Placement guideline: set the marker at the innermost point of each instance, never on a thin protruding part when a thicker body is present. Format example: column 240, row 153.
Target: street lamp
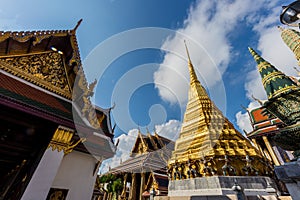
column 290, row 14
column 239, row 191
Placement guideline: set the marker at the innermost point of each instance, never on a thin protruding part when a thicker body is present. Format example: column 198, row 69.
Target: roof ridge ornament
column 77, row 25
column 280, row 28
column 258, row 100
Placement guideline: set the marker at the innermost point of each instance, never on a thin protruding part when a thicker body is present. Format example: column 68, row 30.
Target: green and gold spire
column 208, row 143
column 274, row 81
column 291, row 38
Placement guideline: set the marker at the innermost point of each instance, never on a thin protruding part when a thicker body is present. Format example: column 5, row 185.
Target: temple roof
column 149, row 153
column 18, row 92
column 159, row 181
column 25, row 42
column 38, row 70
column 260, row 118
column 275, row 82
column 263, row 123
column 141, row 163
column 21, row 95
column 148, row 143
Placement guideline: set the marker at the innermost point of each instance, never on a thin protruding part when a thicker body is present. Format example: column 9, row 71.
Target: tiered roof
column 39, row 70
column 263, row 123
column 149, row 153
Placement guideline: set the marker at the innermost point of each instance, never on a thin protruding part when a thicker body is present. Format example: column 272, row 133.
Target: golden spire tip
column 187, row 51
column 252, row 51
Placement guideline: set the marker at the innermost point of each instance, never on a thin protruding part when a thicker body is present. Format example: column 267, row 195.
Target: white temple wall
column 76, row 174
column 43, row 176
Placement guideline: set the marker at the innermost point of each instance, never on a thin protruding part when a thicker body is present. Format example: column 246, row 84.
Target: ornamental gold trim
column 272, row 76
column 283, row 90
column 62, row 140
column 263, row 65
column 17, row 66
column 27, row 35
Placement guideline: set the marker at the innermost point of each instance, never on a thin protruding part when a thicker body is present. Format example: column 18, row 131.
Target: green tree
column 114, row 184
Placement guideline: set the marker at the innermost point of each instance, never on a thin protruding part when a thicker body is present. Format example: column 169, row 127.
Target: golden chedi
column 209, row 144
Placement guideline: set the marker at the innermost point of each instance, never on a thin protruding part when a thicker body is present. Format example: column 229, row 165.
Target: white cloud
column 126, row 141
column 206, row 30
column 169, row 130
column 243, row 120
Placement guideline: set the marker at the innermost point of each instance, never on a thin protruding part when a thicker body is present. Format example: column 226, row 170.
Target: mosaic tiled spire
column 291, row 38
column 274, row 81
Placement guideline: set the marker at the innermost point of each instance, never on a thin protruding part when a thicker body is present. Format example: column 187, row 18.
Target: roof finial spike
column 246, row 109
column 259, row 101
column 77, row 25
column 193, row 76
column 280, row 28
column 148, row 132
column 297, row 70
column 187, row 51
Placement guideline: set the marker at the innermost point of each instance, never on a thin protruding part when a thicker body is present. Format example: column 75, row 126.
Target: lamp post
column 239, row 191
column 290, row 14
column 152, row 193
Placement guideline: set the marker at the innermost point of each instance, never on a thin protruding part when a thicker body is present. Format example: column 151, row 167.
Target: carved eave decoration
column 42, row 74
column 19, row 49
column 139, row 146
column 62, row 140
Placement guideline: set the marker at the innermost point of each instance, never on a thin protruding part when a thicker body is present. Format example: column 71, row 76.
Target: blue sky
column 144, row 70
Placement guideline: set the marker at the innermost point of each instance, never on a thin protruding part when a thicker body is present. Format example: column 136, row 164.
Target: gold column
column 123, row 194
column 142, row 185
column 271, row 151
column 132, row 187
column 257, row 146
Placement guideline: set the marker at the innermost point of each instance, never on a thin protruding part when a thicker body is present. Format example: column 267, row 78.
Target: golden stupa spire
column 193, row 76
column 208, row 142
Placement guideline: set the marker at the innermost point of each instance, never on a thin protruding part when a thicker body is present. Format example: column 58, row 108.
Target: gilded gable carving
column 45, row 70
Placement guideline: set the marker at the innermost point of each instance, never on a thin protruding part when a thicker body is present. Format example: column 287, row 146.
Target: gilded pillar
column 257, row 146
column 142, row 185
column 270, row 150
column 123, row 194
column 132, row 193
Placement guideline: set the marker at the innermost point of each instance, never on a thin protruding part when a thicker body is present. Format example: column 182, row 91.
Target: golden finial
column 193, row 76
column 252, row 51
column 187, row 51
column 255, row 55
